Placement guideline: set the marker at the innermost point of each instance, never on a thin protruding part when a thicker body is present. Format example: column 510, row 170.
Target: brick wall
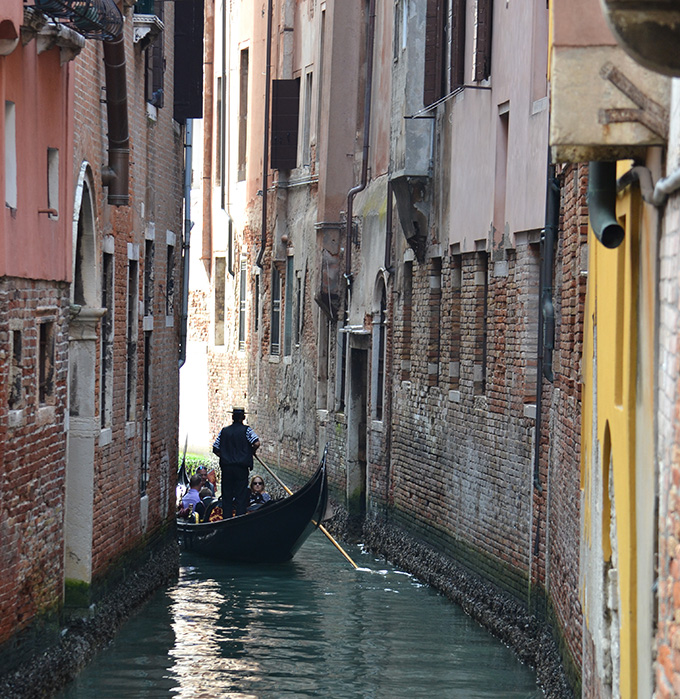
column 156, row 165
column 33, row 456
column 561, row 422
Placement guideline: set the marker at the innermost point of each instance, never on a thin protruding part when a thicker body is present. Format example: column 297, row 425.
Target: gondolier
column 235, row 445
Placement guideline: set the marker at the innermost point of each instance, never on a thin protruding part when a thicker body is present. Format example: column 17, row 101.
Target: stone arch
column 83, row 423
column 84, row 290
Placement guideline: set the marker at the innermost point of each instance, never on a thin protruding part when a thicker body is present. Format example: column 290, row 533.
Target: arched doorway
column 83, row 426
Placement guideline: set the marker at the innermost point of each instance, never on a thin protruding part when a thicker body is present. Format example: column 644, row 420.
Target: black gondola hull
column 272, row 534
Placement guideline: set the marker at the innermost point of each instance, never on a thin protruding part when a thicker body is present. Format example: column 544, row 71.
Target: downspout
column 188, row 142
column 115, row 175
column 206, row 248
column 602, row 203
column 265, row 144
column 546, row 338
column 370, row 38
column 546, row 310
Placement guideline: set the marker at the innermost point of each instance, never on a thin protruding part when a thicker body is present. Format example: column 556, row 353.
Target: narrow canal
column 314, row 627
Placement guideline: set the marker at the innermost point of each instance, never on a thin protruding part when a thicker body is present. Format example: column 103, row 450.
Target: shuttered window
column 188, row 60
column 483, row 27
column 433, row 87
column 285, row 119
column 458, row 43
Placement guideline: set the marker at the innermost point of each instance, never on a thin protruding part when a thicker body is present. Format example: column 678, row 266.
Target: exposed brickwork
column 33, row 458
column 561, row 419
column 156, row 164
column 668, row 630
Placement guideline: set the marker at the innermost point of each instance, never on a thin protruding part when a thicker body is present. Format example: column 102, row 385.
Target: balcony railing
column 93, row 19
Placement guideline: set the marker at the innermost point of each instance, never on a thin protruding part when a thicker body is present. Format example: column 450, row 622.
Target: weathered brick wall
column 561, row 420
column 667, row 672
column 156, row 165
column 461, row 459
column 32, row 458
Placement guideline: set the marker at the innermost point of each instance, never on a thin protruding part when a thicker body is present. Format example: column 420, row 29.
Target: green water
column 314, row 627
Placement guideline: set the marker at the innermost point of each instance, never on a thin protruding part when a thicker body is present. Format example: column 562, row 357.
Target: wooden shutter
column 484, row 22
column 285, row 118
column 188, row 49
column 458, row 43
column 434, row 29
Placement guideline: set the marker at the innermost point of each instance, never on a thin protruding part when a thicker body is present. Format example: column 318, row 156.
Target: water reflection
column 310, row 628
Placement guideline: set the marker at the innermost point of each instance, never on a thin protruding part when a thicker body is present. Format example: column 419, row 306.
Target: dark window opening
column 16, row 382
column 275, row 343
column 243, row 116
column 46, row 363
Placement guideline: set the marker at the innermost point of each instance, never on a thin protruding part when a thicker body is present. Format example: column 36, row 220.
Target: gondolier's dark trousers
column 235, row 488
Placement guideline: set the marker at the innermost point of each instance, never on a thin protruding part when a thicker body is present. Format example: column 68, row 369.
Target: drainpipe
column 206, row 248
column 546, row 338
column 115, row 174
column 265, row 145
column 602, row 203
column 370, row 37
column 188, row 143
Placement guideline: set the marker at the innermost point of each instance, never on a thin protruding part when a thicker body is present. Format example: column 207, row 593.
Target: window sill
column 105, row 437
column 130, row 430
column 16, row 418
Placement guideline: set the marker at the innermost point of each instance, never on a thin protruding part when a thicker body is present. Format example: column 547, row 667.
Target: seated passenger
column 258, row 495
column 206, row 498
column 202, row 471
column 192, row 496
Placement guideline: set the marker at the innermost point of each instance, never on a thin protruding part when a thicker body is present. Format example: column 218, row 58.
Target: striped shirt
column 251, row 436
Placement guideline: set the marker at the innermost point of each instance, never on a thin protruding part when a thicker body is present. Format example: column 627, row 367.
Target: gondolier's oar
column 321, row 527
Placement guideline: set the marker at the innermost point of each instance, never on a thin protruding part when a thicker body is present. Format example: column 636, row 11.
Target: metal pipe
column 370, row 38
column 116, row 175
column 188, row 150
column 265, row 145
column 602, row 203
column 208, row 73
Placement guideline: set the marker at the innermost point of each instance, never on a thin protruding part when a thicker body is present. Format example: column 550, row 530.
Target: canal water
column 314, row 627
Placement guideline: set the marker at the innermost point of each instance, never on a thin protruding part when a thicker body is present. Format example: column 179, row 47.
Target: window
column 149, row 250
column 256, row 305
column 275, row 341
column 288, row 308
column 10, row 155
column 297, row 326
column 454, row 359
column 16, row 379
column 501, row 169
column 220, row 281
column 132, row 295
column 481, row 60
column 53, row 182
column 242, row 306
column 154, row 65
column 379, row 333
column 285, row 123
column 106, row 385
column 243, row 116
column 46, row 363
column 323, row 363
column 433, row 349
column 146, row 413
column 407, row 315
column 307, row 121
column 170, row 281
column 219, row 155
column 481, row 324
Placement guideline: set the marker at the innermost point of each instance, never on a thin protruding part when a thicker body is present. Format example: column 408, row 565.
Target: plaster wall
column 36, row 245
column 513, row 170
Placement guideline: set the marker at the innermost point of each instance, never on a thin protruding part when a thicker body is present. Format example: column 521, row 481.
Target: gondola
column 272, row 534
